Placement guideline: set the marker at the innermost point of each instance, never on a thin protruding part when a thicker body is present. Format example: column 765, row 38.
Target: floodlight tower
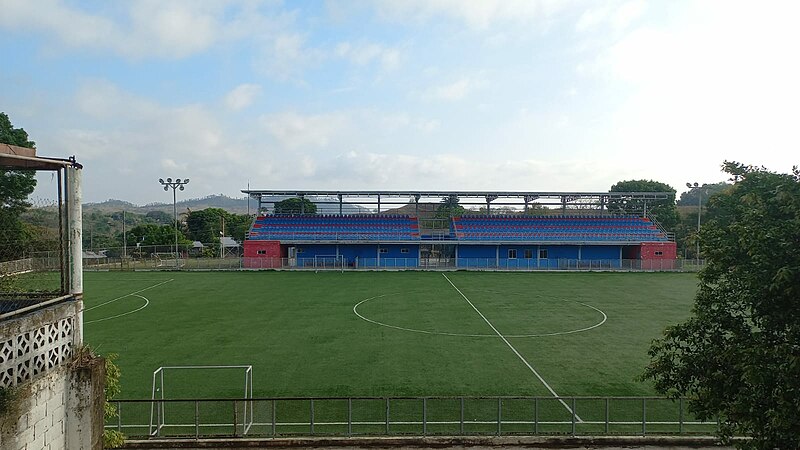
column 175, row 185
column 699, row 189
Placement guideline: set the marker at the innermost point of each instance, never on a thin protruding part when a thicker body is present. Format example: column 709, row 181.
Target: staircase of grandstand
column 631, row 229
column 351, row 227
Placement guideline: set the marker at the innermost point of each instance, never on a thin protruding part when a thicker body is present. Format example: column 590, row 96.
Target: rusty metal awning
column 14, row 157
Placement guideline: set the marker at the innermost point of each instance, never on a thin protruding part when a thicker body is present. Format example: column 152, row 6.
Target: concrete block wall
column 37, row 416
column 56, row 400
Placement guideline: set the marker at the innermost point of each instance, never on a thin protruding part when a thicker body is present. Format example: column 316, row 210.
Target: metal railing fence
column 166, row 261
column 406, row 416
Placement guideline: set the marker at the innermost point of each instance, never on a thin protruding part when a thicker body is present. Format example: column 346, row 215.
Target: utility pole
column 124, row 239
column 699, row 189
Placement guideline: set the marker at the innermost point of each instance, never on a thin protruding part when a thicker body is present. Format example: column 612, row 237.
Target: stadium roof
column 478, row 197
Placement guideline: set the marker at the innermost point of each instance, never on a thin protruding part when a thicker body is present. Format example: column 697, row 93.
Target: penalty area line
column 500, row 335
column 146, row 302
column 129, row 295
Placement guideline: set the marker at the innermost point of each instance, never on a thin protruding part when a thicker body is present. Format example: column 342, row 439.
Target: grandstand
column 568, row 230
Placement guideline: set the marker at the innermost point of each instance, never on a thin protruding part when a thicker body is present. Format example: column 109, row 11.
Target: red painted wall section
column 270, row 256
column 658, row 255
column 649, row 250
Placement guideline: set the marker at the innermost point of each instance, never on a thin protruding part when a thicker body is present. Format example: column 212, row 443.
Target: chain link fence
column 26, row 280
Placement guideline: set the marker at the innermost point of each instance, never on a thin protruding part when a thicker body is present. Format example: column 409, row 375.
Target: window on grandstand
column 659, row 253
column 512, row 253
column 403, row 250
column 383, row 250
column 528, row 253
column 262, row 252
column 543, row 253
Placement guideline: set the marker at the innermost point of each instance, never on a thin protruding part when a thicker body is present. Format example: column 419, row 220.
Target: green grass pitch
column 585, row 334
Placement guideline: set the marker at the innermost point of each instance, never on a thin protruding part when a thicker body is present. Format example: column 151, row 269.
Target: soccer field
column 385, row 333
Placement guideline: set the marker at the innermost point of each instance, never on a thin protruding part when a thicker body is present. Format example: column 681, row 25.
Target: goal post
column 335, row 262
column 168, row 260
column 162, row 391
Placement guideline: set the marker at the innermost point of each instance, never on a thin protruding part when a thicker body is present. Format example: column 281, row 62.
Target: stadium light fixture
column 177, row 184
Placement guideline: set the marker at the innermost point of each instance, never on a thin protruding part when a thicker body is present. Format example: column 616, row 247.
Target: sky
column 528, row 95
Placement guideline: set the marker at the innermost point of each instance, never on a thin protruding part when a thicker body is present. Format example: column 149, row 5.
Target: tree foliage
column 663, row 210
column 152, row 234
column 295, row 205
column 206, row 225
column 111, row 389
column 159, row 217
column 449, row 207
column 15, row 187
column 738, row 356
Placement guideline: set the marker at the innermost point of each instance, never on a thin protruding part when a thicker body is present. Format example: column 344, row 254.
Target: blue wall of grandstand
column 480, row 241
column 358, row 255
column 533, row 256
column 601, row 252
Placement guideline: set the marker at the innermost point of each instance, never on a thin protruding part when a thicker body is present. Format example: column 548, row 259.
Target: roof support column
column 528, row 199
column 340, row 204
column 489, row 200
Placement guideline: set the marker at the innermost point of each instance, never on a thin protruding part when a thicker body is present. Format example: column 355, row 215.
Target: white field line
column 553, row 392
column 128, row 295
column 146, row 302
column 444, row 333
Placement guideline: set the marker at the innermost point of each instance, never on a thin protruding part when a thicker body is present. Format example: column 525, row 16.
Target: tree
column 152, row 234
column 295, row 205
column 738, row 356
column 449, row 207
column 15, row 187
column 205, row 225
column 159, row 217
column 663, row 210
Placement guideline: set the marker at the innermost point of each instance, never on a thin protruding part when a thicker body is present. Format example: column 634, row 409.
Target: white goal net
column 169, row 259
column 177, row 389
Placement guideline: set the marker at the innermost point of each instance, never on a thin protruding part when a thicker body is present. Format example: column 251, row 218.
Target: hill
column 232, row 205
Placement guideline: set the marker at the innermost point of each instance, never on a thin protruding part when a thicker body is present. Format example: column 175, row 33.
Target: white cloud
column 147, row 28
column 428, row 126
column 453, row 91
column 618, row 16
column 293, row 130
column 363, row 54
column 177, row 29
column 124, row 131
column 69, row 26
column 363, row 169
column 242, row 96
column 287, row 56
column 702, row 90
column 478, row 15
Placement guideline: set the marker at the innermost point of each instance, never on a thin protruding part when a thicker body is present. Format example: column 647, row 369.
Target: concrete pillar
column 75, row 230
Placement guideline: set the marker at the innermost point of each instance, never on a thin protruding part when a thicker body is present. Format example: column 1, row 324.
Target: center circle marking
column 444, row 333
